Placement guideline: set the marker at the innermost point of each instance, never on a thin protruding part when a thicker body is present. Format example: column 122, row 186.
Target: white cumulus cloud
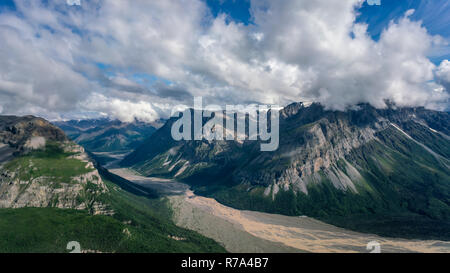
column 124, row 110
column 443, row 72
column 134, row 59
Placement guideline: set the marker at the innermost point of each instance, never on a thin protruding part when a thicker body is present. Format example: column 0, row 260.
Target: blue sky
column 238, row 10
column 434, row 14
column 7, row 4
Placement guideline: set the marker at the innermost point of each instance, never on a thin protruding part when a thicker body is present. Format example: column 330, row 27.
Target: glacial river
column 249, row 231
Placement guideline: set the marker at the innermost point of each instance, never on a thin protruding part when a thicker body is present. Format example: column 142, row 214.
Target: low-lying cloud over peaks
column 135, row 59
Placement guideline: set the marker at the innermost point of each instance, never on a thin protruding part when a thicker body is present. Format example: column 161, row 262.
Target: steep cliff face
column 318, row 153
column 328, row 162
column 317, row 145
column 41, row 168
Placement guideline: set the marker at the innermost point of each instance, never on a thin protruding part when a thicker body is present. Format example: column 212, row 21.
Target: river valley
column 256, row 232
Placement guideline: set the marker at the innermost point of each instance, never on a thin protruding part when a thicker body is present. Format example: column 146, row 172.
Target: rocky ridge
column 28, row 179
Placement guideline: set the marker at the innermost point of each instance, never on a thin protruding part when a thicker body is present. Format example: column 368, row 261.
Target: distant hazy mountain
column 105, row 135
column 377, row 170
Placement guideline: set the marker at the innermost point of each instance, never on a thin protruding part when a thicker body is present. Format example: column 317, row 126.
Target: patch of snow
column 180, row 171
column 167, row 162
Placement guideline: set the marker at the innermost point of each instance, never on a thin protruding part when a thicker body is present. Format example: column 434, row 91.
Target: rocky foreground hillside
column 330, row 164
column 29, row 132
column 40, row 167
column 52, row 194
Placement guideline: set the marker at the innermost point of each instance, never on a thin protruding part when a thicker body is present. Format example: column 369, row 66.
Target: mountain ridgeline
column 105, row 135
column 385, row 171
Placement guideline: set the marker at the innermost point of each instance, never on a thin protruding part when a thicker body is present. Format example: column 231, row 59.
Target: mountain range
column 107, row 135
column 376, row 170
column 382, row 171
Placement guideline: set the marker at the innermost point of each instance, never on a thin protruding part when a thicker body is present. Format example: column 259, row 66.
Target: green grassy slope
column 43, row 230
column 51, row 162
column 139, row 225
column 141, row 222
column 153, row 217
